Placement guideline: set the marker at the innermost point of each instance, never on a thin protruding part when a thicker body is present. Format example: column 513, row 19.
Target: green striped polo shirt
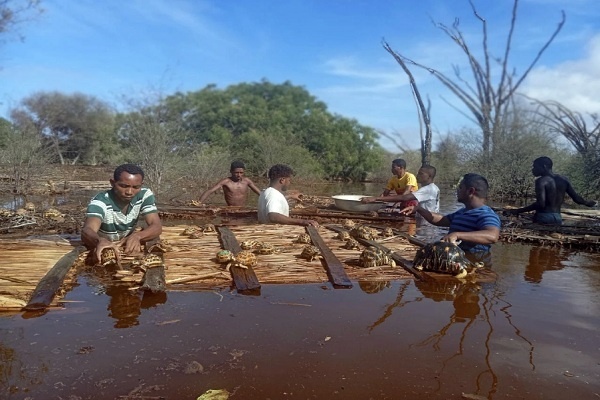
column 116, row 225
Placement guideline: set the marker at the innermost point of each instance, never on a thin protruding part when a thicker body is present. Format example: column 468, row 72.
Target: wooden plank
column 420, row 275
column 46, row 289
column 333, row 266
column 245, row 280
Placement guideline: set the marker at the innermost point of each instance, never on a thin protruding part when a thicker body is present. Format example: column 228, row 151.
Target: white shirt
column 271, row 200
column 428, row 197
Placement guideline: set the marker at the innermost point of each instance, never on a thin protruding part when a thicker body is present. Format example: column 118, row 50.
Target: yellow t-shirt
column 399, row 184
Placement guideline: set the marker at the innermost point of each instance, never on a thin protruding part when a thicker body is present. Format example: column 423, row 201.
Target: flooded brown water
column 533, row 334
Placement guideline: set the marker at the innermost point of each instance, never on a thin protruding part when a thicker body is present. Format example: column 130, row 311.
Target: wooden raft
column 23, row 266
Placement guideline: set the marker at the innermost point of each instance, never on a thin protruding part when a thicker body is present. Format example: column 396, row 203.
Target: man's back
column 551, row 191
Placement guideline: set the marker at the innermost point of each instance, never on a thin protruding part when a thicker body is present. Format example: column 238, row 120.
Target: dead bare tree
column 486, row 97
column 423, row 112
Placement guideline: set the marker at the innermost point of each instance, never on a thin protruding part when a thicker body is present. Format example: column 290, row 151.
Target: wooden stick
column 195, row 278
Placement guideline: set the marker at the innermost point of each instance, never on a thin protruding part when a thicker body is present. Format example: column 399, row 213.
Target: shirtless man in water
column 550, row 189
column 235, row 187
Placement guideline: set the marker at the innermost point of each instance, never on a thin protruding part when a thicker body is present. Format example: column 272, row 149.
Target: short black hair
column 544, row 162
column 399, row 162
column 237, row 164
column 278, row 171
column 129, row 168
column 478, row 182
column 430, row 169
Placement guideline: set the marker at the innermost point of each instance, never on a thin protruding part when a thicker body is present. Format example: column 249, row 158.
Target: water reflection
column 542, row 259
column 125, row 305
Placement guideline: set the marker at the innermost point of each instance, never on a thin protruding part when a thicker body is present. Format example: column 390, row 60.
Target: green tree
column 79, row 128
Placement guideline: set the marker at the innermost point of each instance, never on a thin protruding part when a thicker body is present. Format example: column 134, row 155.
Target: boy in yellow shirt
column 403, row 182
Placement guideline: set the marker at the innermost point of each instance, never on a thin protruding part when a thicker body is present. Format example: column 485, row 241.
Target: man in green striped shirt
column 112, row 216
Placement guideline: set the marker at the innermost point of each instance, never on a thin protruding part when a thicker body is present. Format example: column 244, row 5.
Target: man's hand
column 310, row 222
column 106, row 244
column 408, row 210
column 132, row 243
column 451, row 237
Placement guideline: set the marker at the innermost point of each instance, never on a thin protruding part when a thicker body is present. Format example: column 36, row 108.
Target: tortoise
column 348, row 224
column 29, row 206
column 53, row 213
column 351, row 244
column 245, row 259
column 197, row 234
column 207, row 228
column 363, row 232
column 189, row 230
column 444, row 257
column 249, row 244
column 387, row 232
column 265, row 248
column 303, row 238
column 108, row 257
column 151, row 261
column 375, row 257
column 161, row 246
column 5, row 212
column 343, row 235
column 310, row 252
column 225, row 256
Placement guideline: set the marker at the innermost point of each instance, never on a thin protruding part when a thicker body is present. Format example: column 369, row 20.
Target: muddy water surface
column 533, row 334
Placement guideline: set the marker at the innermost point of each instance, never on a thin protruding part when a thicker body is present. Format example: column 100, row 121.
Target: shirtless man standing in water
column 235, row 187
column 550, row 189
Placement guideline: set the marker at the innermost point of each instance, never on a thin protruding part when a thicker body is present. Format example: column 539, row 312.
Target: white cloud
column 574, row 83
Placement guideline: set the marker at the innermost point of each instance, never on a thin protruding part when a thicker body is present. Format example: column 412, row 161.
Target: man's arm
column 133, row 242
column 392, row 198
column 210, row 191
column 488, row 235
column 577, row 198
column 540, row 199
column 252, row 186
column 277, row 218
column 433, row 218
column 95, row 243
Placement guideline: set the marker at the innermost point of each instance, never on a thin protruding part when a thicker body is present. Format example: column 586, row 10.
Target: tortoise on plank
column 249, row 244
column 189, row 230
column 375, row 257
column 387, row 232
column 310, row 252
column 208, row 228
column 444, row 257
column 245, row 259
column 162, row 246
column 348, row 224
column 343, row 235
column 225, row 256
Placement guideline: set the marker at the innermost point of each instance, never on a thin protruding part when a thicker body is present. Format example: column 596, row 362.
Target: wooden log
column 46, row 289
column 404, row 263
column 245, row 279
column 334, row 267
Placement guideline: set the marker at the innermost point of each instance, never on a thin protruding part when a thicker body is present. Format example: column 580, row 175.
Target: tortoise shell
column 197, row 234
column 387, row 232
column 189, row 230
column 352, row 244
column 265, row 248
column 348, row 224
column 208, row 228
column 444, row 257
column 375, row 257
column 151, row 261
column 224, row 256
column 363, row 232
column 310, row 252
column 245, row 258
column 343, row 235
column 249, row 244
column 52, row 213
column 304, row 238
column 108, row 257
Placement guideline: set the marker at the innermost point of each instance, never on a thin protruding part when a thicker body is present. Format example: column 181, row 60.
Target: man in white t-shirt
column 428, row 194
column 272, row 205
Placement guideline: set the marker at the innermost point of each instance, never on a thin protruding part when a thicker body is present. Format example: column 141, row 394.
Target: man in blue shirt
column 476, row 225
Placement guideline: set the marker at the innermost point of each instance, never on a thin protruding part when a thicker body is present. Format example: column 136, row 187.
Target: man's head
column 426, row 174
column 237, row 170
column 280, row 176
column 472, row 185
column 399, row 167
column 541, row 166
column 127, row 182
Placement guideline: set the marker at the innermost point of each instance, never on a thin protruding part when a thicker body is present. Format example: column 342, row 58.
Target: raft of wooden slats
column 196, row 258
column 23, row 264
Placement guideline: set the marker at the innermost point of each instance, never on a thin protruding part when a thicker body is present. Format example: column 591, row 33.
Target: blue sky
column 110, row 49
